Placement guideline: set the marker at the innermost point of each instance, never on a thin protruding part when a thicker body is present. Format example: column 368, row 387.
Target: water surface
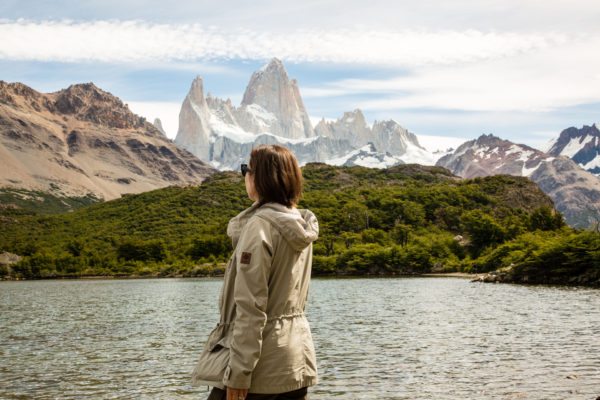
column 388, row 338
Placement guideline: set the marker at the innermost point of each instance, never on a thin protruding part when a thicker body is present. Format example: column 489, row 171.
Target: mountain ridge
column 576, row 192
column 272, row 111
column 82, row 141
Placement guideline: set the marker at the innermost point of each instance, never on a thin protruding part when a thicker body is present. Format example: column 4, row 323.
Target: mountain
column 575, row 192
column 490, row 155
column 158, row 125
column 272, row 112
column 366, row 156
column 580, row 145
column 351, row 126
column 83, row 141
column 274, row 102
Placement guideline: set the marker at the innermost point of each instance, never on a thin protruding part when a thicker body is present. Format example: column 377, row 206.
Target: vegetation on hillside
column 403, row 220
column 17, row 202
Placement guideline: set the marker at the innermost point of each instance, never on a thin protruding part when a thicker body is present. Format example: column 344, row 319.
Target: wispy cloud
column 138, row 41
column 563, row 75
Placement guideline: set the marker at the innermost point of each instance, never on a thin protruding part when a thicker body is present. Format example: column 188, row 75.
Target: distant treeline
column 408, row 219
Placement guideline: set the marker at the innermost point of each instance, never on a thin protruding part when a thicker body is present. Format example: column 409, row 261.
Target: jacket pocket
column 219, row 337
column 213, row 360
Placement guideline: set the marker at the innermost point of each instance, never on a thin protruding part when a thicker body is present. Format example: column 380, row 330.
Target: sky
column 448, row 71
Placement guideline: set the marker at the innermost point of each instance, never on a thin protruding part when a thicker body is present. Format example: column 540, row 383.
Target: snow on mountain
column 490, row 155
column 581, row 145
column 366, row 156
column 272, row 112
column 229, row 130
column 575, row 192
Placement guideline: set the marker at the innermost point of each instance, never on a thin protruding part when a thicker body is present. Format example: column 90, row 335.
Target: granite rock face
column 351, row 126
column 274, row 104
column 194, row 117
column 272, row 112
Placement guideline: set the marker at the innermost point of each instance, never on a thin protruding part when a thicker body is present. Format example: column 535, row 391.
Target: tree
column 545, row 219
column 355, row 216
column 401, row 233
column 75, row 248
column 483, row 229
column 136, row 250
column 206, row 246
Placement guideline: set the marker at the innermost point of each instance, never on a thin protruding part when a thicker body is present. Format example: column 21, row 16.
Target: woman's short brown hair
column 277, row 176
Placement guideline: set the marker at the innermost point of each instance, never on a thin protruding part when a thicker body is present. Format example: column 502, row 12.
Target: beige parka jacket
column 263, row 300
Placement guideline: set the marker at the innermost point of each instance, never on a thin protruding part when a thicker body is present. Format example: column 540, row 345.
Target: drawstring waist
column 286, row 316
column 271, row 319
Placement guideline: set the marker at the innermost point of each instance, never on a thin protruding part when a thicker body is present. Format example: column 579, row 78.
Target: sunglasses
column 244, row 168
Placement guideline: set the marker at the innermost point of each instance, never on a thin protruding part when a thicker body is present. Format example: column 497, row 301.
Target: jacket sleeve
column 254, row 253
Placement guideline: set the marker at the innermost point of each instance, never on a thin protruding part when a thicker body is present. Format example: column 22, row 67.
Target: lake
column 379, row 338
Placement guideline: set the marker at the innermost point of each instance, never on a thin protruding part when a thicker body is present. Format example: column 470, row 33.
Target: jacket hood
column 299, row 227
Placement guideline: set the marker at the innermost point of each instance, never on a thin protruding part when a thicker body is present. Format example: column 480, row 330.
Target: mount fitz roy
column 83, row 141
column 272, row 112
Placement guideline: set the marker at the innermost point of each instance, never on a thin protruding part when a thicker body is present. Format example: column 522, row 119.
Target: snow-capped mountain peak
column 272, row 111
column 574, row 191
column 581, row 145
column 490, row 155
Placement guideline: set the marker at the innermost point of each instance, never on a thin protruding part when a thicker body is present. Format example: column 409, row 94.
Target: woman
column 263, row 329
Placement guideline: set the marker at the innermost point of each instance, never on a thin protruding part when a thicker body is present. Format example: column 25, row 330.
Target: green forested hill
column 406, row 219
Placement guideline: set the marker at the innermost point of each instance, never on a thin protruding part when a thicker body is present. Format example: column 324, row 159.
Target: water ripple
column 400, row 338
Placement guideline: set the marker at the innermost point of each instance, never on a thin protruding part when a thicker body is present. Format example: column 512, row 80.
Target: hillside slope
column 405, row 219
column 84, row 142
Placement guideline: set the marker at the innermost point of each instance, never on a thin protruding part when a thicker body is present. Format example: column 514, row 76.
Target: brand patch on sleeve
column 246, row 257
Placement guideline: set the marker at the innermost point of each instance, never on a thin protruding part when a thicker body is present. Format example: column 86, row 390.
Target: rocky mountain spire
column 194, row 118
column 392, row 137
column 272, row 111
column 158, row 124
column 352, row 126
column 270, row 91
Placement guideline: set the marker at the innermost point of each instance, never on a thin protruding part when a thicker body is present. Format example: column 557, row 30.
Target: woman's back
column 263, row 344
column 271, row 343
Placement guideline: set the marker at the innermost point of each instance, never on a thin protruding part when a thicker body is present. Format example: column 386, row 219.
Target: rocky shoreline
column 491, row 277
column 506, row 277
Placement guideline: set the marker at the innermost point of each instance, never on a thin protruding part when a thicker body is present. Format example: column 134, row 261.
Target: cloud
column 436, row 142
column 168, row 112
column 284, row 16
column 551, row 78
column 138, row 41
